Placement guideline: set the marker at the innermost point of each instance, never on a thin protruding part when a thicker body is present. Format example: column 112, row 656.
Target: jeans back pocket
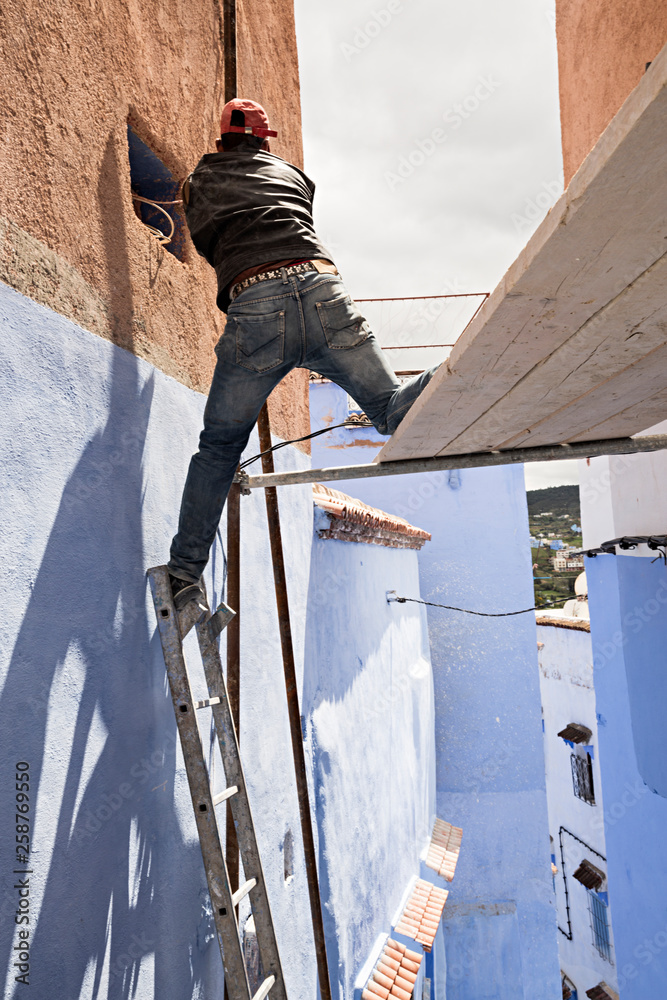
column 342, row 323
column 260, row 340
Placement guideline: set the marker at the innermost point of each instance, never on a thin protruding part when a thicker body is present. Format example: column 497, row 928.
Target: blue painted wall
column 500, row 927
column 368, row 711
column 94, row 446
column 628, row 600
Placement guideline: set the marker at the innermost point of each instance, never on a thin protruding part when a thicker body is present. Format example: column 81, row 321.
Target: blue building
column 628, row 596
column 499, row 920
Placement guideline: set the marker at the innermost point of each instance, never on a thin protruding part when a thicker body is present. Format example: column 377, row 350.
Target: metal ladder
column 173, row 626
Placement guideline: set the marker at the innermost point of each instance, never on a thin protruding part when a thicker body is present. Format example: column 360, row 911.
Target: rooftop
column 352, row 520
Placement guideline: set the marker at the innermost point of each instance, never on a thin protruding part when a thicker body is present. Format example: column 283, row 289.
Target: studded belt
column 302, row 268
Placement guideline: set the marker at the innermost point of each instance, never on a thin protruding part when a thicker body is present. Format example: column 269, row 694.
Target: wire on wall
column 162, row 237
column 467, row 611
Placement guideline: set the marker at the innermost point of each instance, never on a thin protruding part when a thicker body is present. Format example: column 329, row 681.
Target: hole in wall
column 150, row 178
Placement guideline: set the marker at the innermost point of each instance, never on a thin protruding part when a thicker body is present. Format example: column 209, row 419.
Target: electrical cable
column 306, row 437
column 162, row 237
column 466, row 611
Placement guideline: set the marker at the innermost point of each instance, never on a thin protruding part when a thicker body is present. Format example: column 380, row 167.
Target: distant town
column 554, row 518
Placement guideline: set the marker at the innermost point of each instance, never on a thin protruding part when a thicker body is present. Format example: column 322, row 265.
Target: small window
column 597, row 905
column 151, row 179
column 582, row 777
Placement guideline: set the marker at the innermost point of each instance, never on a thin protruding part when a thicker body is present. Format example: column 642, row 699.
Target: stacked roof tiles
column 602, row 992
column 444, row 849
column 395, row 973
column 351, row 520
column 421, row 916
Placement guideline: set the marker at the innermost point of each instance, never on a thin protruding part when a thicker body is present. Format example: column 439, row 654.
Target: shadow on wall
column 86, row 693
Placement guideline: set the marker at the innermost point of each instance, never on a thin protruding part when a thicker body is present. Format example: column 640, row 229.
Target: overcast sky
column 432, row 133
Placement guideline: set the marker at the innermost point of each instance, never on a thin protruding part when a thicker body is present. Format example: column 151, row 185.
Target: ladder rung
column 221, row 618
column 243, row 891
column 264, row 988
column 193, row 612
column 227, row 794
column 207, row 702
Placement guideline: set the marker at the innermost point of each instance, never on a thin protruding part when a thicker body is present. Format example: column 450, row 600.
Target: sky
column 432, row 132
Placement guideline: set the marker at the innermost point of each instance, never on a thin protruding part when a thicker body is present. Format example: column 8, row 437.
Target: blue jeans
column 306, row 321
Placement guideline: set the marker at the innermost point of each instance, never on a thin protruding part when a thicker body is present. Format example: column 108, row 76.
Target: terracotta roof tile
column 394, row 974
column 421, row 915
column 580, row 624
column 575, row 732
column 444, row 849
column 589, row 875
column 351, row 520
column 602, row 992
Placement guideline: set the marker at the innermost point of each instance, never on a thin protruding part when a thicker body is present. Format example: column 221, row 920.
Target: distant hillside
column 555, row 500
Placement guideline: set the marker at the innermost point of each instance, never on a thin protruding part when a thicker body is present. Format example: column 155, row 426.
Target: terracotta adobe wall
column 73, row 76
column 603, row 48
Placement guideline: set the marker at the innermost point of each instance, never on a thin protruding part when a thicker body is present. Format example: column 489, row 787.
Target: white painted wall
column 566, row 684
column 624, row 495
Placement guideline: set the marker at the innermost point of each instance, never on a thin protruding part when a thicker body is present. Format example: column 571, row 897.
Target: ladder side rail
column 240, row 806
column 236, row 978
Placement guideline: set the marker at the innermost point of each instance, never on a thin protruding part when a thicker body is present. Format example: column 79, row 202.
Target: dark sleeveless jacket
column 248, row 207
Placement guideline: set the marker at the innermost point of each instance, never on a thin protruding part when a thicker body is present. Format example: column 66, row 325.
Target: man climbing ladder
column 249, row 213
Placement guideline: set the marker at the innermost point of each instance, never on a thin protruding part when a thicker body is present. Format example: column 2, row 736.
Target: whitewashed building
column 574, row 797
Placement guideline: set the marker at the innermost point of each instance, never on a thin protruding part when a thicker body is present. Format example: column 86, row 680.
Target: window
column 151, row 179
column 582, row 777
column 597, row 905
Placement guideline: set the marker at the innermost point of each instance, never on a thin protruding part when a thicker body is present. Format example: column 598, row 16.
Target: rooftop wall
column 73, row 78
column 603, row 48
column 369, row 729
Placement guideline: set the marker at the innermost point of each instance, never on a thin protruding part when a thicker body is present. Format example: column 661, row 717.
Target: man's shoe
column 183, row 591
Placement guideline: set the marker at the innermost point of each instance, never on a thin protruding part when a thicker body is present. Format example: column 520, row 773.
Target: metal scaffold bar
column 293, row 711
column 476, row 460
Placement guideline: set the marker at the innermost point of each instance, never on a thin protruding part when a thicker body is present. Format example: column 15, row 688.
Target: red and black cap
column 246, row 117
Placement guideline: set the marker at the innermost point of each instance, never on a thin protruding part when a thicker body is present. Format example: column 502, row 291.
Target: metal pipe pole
column 233, row 509
column 294, row 712
column 233, row 634
column 229, row 35
column 476, row 460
